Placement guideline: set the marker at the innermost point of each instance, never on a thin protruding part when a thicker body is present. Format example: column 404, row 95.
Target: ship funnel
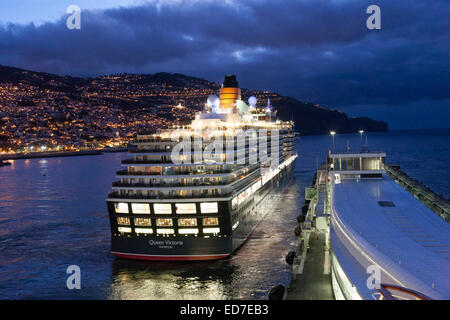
column 229, row 92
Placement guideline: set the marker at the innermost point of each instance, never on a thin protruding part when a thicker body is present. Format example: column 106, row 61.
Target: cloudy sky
column 315, row 50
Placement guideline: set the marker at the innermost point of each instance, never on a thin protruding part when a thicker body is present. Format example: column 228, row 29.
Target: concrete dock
column 311, row 276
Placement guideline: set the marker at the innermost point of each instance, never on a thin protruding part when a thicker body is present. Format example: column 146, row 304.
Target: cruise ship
column 196, row 192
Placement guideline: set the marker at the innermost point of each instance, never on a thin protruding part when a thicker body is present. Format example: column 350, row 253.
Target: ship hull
column 236, row 227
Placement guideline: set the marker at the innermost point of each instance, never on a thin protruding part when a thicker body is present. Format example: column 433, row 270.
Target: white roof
column 408, row 240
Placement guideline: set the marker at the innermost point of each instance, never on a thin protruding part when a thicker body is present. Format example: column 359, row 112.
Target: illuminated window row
column 167, row 222
column 244, row 195
column 166, row 208
column 166, row 231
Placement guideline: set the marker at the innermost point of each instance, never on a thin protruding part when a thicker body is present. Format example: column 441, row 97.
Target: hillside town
column 41, row 112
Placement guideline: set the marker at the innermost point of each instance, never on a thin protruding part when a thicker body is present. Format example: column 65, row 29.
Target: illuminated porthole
column 162, row 208
column 121, row 207
column 211, row 230
column 165, row 231
column 185, row 208
column 188, row 231
column 210, row 221
column 143, row 230
column 140, row 208
column 142, row 222
column 164, row 222
column 124, row 229
column 209, row 207
column 188, row 222
column 123, row 221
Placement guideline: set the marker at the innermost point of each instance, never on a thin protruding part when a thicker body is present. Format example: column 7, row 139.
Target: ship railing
column 114, row 195
column 355, row 151
column 152, row 140
column 193, row 184
column 166, row 185
column 127, row 173
column 132, row 161
column 237, row 187
column 194, row 151
column 149, row 151
column 176, row 173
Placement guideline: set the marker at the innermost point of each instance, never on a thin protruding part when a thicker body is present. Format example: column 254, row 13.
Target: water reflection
column 166, row 280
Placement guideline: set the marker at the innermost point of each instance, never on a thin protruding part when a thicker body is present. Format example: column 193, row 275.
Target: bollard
column 305, row 209
column 300, row 218
column 277, row 292
column 298, row 231
column 290, row 257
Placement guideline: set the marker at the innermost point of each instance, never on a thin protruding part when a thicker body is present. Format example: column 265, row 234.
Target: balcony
column 240, row 183
column 176, row 173
column 158, row 150
column 169, row 185
column 127, row 173
column 116, row 195
column 132, row 161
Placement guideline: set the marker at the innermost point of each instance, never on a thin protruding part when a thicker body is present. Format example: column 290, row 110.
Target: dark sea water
column 53, row 214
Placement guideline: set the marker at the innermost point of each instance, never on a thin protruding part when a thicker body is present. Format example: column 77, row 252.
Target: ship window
column 256, row 186
column 234, row 203
column 162, row 208
column 210, row 221
column 183, row 208
column 165, row 231
column 188, row 231
column 243, row 196
column 211, row 230
column 123, row 221
column 164, row 222
column 209, row 207
column 143, row 230
column 142, row 208
column 191, row 222
column 142, row 222
column 124, row 229
column 121, row 207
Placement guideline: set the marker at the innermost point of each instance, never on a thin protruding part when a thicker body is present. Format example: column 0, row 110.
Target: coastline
column 54, row 154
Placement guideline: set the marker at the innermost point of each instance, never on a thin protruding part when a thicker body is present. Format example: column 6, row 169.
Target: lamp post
column 333, row 133
column 361, row 133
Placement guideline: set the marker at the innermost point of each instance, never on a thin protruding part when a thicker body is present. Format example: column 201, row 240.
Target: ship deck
column 391, row 228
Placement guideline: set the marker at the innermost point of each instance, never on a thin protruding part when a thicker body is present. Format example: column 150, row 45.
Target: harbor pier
column 311, row 276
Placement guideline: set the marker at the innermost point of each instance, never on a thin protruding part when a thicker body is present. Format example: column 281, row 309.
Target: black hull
column 235, row 225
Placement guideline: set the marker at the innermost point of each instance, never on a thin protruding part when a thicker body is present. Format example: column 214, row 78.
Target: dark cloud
column 315, row 50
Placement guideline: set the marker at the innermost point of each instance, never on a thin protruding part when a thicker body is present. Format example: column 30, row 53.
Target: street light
column 332, row 136
column 361, row 133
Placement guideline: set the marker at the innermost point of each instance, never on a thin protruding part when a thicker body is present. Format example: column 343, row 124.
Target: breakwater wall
column 51, row 154
column 435, row 202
